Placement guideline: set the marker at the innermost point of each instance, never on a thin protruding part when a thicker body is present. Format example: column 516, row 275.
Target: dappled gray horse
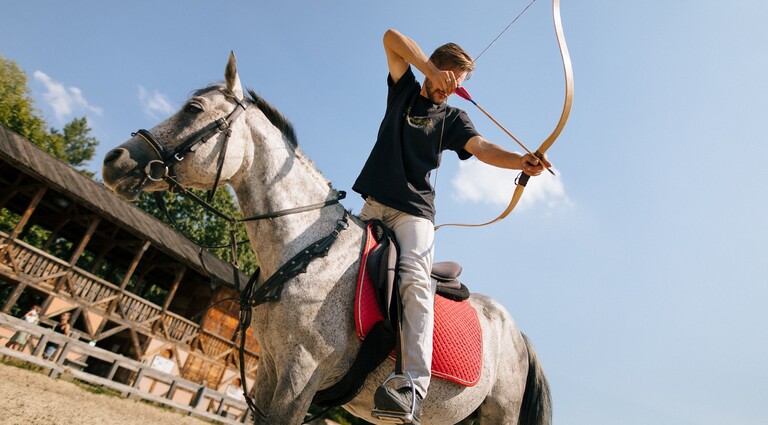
column 308, row 338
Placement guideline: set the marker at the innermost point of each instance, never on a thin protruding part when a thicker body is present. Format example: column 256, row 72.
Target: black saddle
column 382, row 268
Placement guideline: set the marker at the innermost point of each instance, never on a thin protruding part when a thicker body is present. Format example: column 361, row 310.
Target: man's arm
column 402, row 51
column 497, row 156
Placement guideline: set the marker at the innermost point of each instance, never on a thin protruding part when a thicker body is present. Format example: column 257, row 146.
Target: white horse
column 307, row 338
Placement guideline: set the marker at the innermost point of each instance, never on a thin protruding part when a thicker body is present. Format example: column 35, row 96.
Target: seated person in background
column 62, row 327
column 19, row 340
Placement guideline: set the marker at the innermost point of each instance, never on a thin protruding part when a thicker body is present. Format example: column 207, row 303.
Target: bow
column 522, row 179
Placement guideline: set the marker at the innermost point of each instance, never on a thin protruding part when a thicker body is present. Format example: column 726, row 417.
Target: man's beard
column 432, row 94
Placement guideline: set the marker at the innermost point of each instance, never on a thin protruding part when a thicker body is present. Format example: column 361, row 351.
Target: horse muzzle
column 128, row 176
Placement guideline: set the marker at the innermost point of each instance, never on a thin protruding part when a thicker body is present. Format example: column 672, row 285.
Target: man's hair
column 452, row 56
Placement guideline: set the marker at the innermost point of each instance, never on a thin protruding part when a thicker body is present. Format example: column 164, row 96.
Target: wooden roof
column 29, row 158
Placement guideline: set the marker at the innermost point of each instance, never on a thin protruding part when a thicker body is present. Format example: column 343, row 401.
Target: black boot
column 397, row 405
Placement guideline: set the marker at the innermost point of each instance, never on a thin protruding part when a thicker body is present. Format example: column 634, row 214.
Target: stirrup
column 392, row 416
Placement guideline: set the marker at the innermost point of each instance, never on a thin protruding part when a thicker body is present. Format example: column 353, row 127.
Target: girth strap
column 273, row 287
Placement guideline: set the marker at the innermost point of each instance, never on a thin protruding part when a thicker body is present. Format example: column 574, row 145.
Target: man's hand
column 533, row 166
column 445, row 81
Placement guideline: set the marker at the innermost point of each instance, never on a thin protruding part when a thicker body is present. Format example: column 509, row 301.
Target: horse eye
column 193, row 108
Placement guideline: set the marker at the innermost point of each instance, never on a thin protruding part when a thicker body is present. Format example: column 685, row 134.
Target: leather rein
column 250, row 296
column 161, row 170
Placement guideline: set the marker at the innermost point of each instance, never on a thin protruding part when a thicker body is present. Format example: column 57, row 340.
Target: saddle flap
column 382, row 266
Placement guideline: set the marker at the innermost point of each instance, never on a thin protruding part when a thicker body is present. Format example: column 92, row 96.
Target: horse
column 223, row 135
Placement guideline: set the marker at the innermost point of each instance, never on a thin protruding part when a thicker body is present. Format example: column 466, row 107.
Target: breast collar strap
column 272, row 288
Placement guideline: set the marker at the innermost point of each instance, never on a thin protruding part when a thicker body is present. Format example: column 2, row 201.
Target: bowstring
column 504, row 30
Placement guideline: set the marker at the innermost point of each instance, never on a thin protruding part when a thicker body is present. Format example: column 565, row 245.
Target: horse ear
column 231, row 78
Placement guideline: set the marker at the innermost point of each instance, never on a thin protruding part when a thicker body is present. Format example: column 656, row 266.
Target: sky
column 639, row 272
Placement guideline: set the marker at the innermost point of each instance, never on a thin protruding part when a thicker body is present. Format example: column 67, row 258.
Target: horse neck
column 277, row 178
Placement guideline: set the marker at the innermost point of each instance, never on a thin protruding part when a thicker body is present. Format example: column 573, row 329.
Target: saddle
column 382, row 269
column 457, row 338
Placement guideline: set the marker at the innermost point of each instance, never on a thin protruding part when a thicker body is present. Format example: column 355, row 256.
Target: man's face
column 437, row 96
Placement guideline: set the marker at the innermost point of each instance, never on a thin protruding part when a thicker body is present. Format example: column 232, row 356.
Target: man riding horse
column 417, row 127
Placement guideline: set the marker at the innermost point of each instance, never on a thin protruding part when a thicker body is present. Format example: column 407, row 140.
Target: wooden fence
column 170, row 390
column 32, row 265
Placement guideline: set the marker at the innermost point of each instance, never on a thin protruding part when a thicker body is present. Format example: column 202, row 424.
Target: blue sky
column 639, row 272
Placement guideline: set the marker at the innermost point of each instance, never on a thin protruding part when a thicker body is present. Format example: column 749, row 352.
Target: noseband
column 250, row 296
column 160, row 169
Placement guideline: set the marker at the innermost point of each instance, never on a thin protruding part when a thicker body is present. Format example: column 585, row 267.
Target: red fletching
column 464, row 94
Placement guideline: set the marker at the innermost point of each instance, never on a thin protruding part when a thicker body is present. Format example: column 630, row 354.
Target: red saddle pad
column 457, row 339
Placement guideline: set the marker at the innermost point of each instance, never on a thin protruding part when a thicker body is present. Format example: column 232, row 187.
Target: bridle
column 161, row 169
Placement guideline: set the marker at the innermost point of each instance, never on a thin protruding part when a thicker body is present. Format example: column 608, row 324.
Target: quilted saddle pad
column 457, row 339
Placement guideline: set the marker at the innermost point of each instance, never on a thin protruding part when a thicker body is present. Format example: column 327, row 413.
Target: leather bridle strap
column 156, row 170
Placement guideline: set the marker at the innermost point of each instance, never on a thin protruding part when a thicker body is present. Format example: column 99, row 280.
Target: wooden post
column 124, row 283
column 17, row 291
column 177, row 280
column 139, row 376
column 199, row 395
column 113, row 370
column 84, row 241
column 76, row 254
column 171, row 390
column 134, row 264
column 24, row 219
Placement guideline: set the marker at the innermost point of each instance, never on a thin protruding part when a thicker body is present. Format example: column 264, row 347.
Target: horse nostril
column 114, row 155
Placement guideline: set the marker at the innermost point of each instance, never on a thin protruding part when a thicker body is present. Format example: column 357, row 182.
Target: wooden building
column 133, row 285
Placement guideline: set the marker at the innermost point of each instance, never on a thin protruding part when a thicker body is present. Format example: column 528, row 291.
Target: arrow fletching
column 464, row 94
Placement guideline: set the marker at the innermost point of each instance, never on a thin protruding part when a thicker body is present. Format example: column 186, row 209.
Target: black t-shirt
column 408, row 148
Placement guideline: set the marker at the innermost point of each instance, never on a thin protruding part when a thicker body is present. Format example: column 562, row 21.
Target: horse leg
column 294, row 387
column 264, row 388
column 517, row 401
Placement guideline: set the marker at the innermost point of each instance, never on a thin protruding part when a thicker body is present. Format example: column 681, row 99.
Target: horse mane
column 273, row 115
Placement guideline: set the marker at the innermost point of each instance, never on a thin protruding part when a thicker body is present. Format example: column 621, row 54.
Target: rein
column 160, row 169
column 250, row 296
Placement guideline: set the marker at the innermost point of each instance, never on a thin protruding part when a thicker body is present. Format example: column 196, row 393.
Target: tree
column 74, row 145
column 17, row 110
column 204, row 227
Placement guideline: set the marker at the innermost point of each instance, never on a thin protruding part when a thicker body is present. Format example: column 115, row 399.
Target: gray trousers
column 416, row 236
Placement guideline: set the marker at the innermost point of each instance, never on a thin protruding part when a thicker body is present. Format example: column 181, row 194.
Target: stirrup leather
column 393, row 416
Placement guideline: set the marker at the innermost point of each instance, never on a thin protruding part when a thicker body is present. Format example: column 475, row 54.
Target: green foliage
column 17, row 109
column 73, row 144
column 204, row 227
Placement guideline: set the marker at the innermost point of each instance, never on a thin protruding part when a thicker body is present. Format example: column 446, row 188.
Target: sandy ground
column 28, row 397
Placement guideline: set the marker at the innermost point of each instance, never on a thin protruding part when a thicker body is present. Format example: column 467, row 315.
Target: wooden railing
column 179, row 328
column 218, row 347
column 32, row 262
column 190, row 397
column 90, row 288
column 41, row 268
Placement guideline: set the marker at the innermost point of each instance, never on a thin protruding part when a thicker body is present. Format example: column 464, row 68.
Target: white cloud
column 156, row 105
column 476, row 182
column 65, row 101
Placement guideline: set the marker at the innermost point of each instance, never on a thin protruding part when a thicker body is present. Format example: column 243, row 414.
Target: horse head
column 189, row 148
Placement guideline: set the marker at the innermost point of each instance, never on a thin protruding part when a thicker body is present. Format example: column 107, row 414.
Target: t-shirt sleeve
column 395, row 89
column 462, row 130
